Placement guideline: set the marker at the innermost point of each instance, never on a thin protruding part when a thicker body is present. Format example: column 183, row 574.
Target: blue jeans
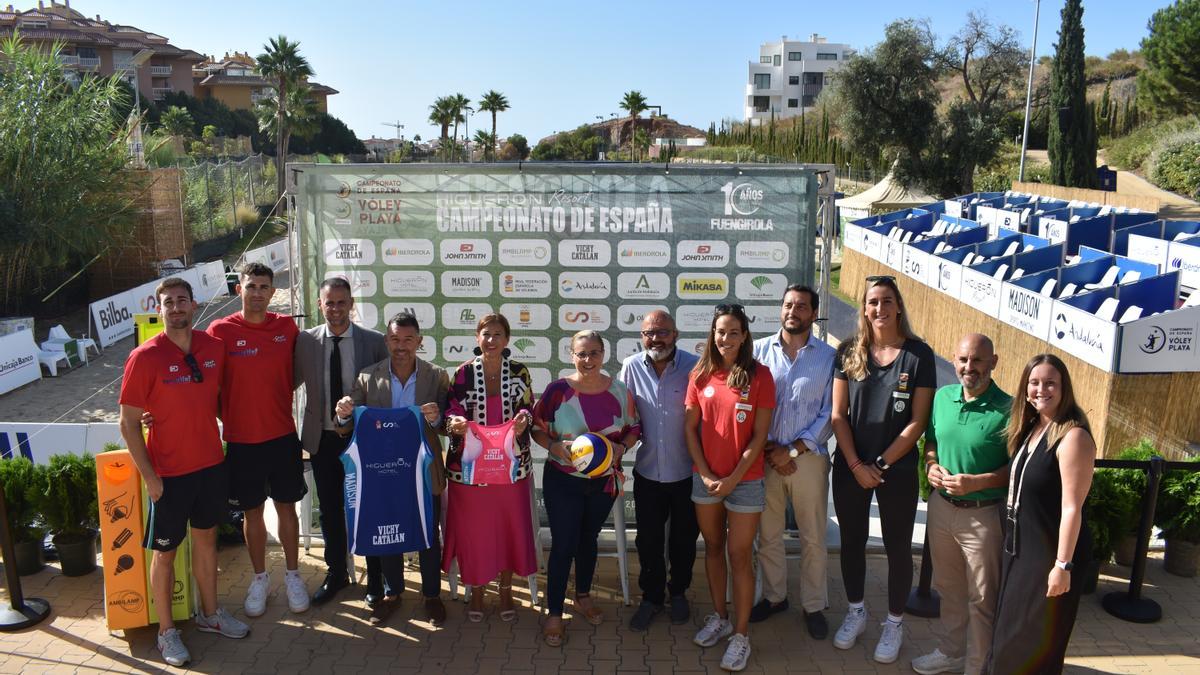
column 577, row 509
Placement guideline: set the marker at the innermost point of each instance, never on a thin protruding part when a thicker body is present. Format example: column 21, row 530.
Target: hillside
column 617, row 131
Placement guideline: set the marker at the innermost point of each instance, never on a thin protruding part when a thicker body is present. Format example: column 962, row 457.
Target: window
column 795, row 56
column 793, row 79
column 761, row 103
column 809, row 100
column 34, row 23
column 85, row 52
column 827, row 56
column 762, row 80
column 776, row 57
column 813, row 78
column 765, row 59
column 793, row 102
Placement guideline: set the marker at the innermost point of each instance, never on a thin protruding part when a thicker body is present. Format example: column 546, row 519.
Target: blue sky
column 562, row 64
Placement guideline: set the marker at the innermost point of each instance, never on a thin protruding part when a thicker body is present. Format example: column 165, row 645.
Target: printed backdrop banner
column 555, row 248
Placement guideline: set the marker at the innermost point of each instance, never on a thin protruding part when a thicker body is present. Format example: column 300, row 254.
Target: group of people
column 724, row 443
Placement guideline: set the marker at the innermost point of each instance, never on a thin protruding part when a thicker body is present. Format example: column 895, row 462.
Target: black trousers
column 897, row 499
column 430, row 559
column 577, row 509
column 330, row 477
column 655, row 504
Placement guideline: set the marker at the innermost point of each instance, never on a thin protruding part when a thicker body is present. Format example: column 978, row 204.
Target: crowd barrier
column 112, row 317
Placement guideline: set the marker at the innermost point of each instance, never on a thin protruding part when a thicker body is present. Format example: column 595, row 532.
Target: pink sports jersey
column 488, row 457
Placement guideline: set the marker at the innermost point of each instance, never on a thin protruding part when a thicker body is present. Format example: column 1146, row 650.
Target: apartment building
column 96, row 46
column 234, row 81
column 789, row 75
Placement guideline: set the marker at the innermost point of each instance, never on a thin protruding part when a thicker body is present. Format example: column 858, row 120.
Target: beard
column 661, row 354
column 797, row 328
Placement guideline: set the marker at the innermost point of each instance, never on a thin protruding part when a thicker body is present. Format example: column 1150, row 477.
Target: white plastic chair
column 969, row 259
column 1048, row 287
column 1131, row 275
column 1000, row 272
column 60, row 333
column 1067, row 291
column 1182, row 235
column 1131, row 313
column 50, row 360
column 1107, row 280
column 1028, row 247
column 1193, row 300
column 1012, row 248
column 941, row 246
column 1108, row 309
column 1017, row 274
column 907, row 236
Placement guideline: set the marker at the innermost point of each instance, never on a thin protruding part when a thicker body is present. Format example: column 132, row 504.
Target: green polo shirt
column 970, row 434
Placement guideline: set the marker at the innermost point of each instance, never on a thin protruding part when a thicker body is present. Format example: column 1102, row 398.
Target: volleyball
column 592, row 455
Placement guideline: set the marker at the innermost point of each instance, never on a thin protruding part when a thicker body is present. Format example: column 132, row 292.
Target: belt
column 972, row 503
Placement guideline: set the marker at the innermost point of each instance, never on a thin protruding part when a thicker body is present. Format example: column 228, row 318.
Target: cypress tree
column 1071, row 143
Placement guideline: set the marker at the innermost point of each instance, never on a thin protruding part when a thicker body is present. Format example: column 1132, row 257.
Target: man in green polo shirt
column 967, row 463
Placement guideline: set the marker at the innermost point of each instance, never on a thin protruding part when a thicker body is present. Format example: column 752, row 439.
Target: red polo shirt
column 256, row 401
column 184, row 437
column 727, row 418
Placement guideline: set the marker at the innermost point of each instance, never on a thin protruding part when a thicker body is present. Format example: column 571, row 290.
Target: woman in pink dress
column 489, row 525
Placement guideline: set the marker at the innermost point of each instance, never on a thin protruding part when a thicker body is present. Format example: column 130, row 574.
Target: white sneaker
column 297, row 593
column 853, row 625
column 222, row 622
column 715, row 628
column 256, row 595
column 736, row 654
column 937, row 662
column 170, row 644
column 888, row 649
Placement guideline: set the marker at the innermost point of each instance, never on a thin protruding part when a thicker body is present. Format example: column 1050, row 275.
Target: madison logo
column 1021, row 303
column 743, row 199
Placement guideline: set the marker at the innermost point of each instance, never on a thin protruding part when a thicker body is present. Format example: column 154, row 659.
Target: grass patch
column 1132, row 152
column 271, row 230
column 835, row 284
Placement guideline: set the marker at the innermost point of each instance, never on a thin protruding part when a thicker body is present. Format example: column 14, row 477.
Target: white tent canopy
column 886, row 195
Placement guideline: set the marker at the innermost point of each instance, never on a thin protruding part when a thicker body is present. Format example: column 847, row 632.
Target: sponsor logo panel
column 466, row 284
column 362, row 282
column 524, row 252
column 408, row 284
column 463, row 315
column 643, row 253
column 643, row 285
column 428, row 349
column 765, row 254
column 753, row 286
column 531, row 349
column 693, row 318
column 539, row 378
column 407, row 251
column 692, row 345
column 465, row 251
column 519, row 284
column 712, row 286
column 702, row 253
column 627, row 347
column 349, row 252
column 584, row 285
column 584, row 253
column 367, row 314
column 764, row 319
column 458, row 348
column 526, row 316
column 425, row 312
column 584, row 317
column 629, row 317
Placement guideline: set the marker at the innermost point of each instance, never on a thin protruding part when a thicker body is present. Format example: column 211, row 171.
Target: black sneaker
column 764, row 609
column 643, row 616
column 817, row 627
column 681, row 611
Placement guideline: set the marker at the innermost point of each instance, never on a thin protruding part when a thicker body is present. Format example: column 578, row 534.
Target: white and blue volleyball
column 592, row 455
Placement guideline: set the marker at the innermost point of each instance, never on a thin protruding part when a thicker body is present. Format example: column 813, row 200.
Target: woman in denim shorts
column 730, row 399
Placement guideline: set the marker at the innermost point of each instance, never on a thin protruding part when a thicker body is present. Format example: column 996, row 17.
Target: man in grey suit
column 328, row 357
column 398, row 381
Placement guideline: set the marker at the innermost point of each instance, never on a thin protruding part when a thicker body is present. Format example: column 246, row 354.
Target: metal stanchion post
column 923, row 601
column 19, row 612
column 1130, row 605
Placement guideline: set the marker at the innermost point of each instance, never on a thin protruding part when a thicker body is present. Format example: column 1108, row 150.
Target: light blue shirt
column 803, row 391
column 404, row 394
column 663, row 456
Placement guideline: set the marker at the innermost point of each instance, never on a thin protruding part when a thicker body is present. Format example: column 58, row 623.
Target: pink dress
column 489, row 528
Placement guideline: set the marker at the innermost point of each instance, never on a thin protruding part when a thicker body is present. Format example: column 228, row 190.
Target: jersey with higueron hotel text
column 389, row 505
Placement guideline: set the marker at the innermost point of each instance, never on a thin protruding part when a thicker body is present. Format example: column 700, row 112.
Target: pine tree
column 1071, row 143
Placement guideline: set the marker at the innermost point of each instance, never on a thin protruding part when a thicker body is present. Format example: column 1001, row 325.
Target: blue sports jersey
column 389, row 506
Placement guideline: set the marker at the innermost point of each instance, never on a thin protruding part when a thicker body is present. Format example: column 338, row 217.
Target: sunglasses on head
column 728, row 309
column 877, row 278
column 197, row 376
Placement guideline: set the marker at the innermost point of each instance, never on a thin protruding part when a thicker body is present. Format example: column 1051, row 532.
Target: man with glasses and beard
column 797, row 459
column 662, row 475
column 176, row 377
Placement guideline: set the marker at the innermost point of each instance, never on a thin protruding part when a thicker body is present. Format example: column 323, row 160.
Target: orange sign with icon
column 126, row 603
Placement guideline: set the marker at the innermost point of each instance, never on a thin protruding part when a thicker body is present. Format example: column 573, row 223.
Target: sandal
column 590, row 612
column 475, row 615
column 554, row 633
column 510, row 614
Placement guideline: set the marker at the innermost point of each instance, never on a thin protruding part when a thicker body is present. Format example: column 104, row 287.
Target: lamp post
column 1037, row 7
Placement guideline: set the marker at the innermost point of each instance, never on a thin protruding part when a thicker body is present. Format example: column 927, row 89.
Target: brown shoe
column 383, row 609
column 435, row 611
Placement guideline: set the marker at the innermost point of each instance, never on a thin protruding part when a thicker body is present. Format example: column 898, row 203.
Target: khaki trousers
column 965, row 547
column 808, row 489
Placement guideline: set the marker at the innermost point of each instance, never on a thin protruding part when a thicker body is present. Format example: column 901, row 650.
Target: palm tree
column 300, row 118
column 494, row 102
column 442, row 114
column 461, row 105
column 283, row 66
column 177, row 121
column 635, row 104
column 486, row 141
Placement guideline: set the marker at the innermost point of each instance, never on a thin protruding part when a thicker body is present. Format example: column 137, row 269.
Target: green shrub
column 1175, row 163
column 68, row 501
column 1112, row 509
column 1131, row 152
column 1178, row 512
column 21, row 479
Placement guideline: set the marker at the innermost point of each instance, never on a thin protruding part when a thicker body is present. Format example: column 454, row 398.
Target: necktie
column 335, row 376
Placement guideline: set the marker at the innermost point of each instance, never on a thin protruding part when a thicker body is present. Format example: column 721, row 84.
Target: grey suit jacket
column 310, row 367
column 373, row 388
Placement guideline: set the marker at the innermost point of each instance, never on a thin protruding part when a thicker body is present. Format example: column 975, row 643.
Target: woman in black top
column 882, row 392
column 1046, row 540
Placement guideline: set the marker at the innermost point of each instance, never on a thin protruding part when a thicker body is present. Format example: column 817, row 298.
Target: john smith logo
column 1154, row 341
column 466, row 248
column 743, row 199
column 703, row 248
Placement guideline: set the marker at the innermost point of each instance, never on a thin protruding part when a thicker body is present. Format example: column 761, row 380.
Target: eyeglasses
column 728, row 309
column 876, row 278
column 197, row 376
column 594, row 354
column 657, row 333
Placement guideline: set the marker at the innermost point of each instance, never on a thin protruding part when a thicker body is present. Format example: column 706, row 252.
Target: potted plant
column 1178, row 515
column 1103, row 512
column 1132, row 487
column 21, row 479
column 68, row 504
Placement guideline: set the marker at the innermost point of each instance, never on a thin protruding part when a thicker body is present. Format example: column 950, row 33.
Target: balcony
column 256, row 96
column 89, row 62
column 68, row 59
column 161, row 92
column 773, row 90
column 161, row 71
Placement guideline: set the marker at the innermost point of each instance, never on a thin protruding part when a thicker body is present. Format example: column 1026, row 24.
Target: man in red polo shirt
column 263, row 453
column 176, row 377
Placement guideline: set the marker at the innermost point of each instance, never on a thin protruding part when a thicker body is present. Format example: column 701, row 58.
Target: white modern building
column 789, row 75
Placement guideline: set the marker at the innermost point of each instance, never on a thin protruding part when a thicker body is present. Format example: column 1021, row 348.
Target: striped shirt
column 803, row 391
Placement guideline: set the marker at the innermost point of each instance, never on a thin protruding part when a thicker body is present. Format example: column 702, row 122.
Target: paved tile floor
column 76, row 640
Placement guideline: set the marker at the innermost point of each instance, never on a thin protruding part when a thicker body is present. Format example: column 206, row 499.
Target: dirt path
column 1171, row 205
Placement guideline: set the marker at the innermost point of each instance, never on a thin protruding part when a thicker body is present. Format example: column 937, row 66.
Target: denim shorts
column 748, row 497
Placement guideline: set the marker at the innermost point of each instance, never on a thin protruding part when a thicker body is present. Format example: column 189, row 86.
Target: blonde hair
column 855, row 351
column 1068, row 416
column 587, row 335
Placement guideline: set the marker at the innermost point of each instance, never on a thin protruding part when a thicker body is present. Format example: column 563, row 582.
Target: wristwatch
column 881, row 464
column 793, row 452
column 1067, row 566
